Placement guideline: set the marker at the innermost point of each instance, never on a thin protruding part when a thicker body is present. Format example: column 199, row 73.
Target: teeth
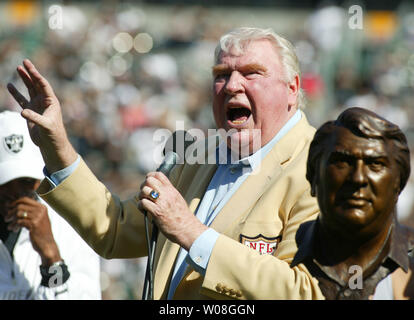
column 238, row 121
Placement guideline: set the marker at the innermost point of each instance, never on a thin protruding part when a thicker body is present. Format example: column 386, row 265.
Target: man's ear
column 293, row 91
column 313, row 188
column 314, row 182
column 398, row 186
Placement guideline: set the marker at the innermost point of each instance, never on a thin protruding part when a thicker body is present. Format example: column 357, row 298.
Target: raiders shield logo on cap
column 14, row 143
column 261, row 243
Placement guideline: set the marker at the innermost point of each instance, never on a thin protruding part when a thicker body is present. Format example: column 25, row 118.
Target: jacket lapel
column 242, row 201
column 260, row 179
column 247, row 194
column 197, row 184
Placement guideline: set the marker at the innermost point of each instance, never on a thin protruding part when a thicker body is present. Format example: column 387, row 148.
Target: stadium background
column 124, row 69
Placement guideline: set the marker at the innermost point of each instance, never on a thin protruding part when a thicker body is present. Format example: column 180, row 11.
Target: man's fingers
column 35, row 117
column 25, row 200
column 12, row 220
column 27, row 81
column 39, row 81
column 153, row 183
column 13, row 227
column 159, row 176
column 19, row 223
column 20, row 99
column 147, row 205
column 10, row 217
column 26, row 223
column 145, row 193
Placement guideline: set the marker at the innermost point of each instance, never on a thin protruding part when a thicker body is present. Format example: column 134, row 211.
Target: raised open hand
column 44, row 116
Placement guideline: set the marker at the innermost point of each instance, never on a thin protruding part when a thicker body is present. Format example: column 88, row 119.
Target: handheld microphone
column 174, row 152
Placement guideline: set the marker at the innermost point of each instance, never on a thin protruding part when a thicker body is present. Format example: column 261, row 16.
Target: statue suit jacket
column 270, row 205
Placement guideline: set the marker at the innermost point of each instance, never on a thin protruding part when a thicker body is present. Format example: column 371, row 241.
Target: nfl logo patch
column 13, row 143
column 260, row 243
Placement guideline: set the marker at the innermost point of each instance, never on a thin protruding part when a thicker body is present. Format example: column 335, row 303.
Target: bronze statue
column 357, row 167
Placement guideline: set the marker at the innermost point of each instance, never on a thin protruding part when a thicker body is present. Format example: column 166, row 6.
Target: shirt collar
column 401, row 244
column 223, row 154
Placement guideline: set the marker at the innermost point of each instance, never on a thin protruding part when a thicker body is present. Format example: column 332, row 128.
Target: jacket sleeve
column 113, row 228
column 246, row 274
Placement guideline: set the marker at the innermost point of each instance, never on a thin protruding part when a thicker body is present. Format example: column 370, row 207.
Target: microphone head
column 178, row 143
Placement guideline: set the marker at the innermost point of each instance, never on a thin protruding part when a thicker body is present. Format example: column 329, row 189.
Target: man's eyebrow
column 372, row 156
column 253, row 67
column 341, row 152
column 220, row 69
column 224, row 68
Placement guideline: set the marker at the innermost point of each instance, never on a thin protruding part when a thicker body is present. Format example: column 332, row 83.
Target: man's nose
column 358, row 175
column 234, row 83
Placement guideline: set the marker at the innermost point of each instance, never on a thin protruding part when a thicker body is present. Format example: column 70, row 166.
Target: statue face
column 358, row 183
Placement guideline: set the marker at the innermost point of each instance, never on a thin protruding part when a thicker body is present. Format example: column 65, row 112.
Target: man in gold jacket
column 227, row 230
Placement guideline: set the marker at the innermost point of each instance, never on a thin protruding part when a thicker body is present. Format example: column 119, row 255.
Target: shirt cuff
column 201, row 250
column 57, row 177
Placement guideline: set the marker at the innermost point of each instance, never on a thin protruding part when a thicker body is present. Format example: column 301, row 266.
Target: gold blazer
column 267, row 208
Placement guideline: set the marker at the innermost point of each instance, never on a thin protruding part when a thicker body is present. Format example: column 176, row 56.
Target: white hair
column 239, row 38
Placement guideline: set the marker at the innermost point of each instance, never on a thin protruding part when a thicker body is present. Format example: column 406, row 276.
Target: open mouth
column 238, row 115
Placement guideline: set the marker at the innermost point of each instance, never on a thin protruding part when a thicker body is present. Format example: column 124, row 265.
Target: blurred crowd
column 122, row 71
